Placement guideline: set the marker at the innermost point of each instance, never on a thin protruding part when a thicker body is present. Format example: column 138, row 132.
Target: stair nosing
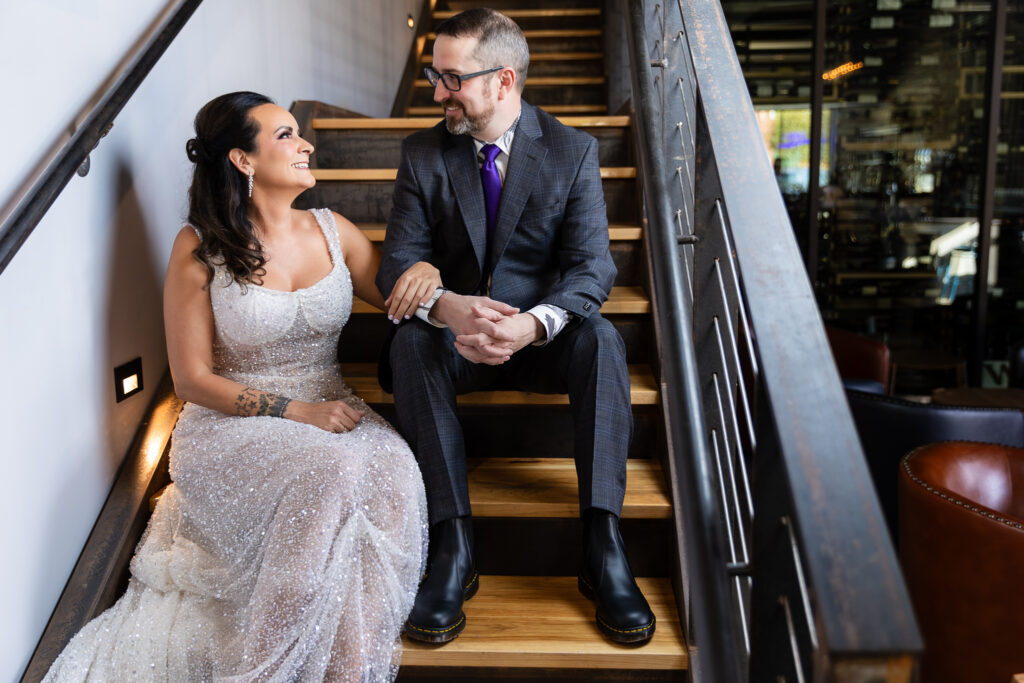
column 420, row 122
column 532, row 13
column 617, row 232
column 540, row 81
column 496, row 637
column 551, row 33
column 546, row 57
column 362, row 379
column 623, row 300
column 550, row 108
column 517, row 503
column 380, row 174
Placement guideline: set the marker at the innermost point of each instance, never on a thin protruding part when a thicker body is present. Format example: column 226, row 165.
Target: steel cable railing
column 791, row 574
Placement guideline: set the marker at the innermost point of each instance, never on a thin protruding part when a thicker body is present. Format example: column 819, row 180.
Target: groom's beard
column 467, row 124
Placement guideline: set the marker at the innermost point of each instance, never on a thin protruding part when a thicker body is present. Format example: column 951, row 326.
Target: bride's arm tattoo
column 251, row 403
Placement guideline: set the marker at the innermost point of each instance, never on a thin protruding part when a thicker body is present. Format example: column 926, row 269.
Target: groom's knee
column 417, row 345
column 595, row 336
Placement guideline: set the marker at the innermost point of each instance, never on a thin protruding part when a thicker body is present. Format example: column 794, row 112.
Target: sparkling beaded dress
column 282, row 552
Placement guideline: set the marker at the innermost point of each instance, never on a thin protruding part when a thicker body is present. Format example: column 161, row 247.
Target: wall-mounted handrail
column 788, row 551
column 46, row 181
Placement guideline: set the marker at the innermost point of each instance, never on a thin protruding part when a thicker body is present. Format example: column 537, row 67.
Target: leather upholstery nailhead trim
column 945, row 496
column 931, row 407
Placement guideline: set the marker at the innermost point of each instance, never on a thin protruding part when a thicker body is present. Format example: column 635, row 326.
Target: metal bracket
column 83, row 168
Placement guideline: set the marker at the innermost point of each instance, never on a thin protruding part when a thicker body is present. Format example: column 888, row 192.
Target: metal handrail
column 785, row 544
column 47, row 180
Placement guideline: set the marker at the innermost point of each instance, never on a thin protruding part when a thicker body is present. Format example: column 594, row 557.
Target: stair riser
column 370, row 201
column 460, row 5
column 582, row 44
column 501, row 434
column 383, row 149
column 540, row 95
column 554, row 547
column 568, row 67
column 362, row 338
column 561, row 22
column 425, row 674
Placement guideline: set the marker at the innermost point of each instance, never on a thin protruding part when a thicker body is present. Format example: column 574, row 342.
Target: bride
column 290, row 546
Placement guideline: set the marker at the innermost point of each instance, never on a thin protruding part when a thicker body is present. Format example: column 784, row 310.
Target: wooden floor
column 544, row 622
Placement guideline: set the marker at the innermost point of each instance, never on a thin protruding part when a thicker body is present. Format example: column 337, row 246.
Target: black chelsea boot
column 623, row 614
column 451, row 579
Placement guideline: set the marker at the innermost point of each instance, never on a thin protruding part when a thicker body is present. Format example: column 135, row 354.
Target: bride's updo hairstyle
column 218, row 204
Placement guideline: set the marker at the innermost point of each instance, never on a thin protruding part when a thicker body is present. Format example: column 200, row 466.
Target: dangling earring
column 250, row 183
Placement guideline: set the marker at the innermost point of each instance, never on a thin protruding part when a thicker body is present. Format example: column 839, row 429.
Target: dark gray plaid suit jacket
column 551, row 238
column 550, row 246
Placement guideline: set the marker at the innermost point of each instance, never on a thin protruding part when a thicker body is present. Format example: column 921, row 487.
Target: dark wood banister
column 694, row 503
column 23, row 211
column 858, row 614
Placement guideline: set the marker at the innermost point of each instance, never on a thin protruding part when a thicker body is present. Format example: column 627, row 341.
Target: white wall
column 83, row 294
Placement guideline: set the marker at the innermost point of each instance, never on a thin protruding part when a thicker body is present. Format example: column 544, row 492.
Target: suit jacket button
column 586, row 305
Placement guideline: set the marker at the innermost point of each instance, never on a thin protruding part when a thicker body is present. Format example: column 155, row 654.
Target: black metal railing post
column 689, row 464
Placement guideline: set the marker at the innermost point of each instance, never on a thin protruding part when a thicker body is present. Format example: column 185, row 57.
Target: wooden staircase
column 528, row 622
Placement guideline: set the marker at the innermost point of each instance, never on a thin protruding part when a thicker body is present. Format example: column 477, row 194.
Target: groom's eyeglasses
column 453, row 82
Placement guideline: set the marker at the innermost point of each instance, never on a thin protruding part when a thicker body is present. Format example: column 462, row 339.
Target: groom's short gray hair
column 501, row 41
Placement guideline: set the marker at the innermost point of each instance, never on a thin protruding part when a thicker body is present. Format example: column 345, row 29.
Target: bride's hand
column 413, row 287
column 331, row 416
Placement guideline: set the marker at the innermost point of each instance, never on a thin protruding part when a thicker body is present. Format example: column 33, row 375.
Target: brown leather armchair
column 861, row 360
column 962, row 549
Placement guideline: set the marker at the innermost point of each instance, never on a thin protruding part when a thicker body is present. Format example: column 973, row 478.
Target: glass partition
column 903, row 150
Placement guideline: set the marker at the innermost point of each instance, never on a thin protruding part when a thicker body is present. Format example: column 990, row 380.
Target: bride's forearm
column 253, row 402
column 233, row 398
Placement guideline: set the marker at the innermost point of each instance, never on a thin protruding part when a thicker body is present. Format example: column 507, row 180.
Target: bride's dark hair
column 218, row 204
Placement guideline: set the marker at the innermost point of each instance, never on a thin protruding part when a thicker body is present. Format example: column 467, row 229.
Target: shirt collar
column 504, row 142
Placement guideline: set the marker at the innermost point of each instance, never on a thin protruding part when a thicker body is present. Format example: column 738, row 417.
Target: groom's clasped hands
column 486, row 331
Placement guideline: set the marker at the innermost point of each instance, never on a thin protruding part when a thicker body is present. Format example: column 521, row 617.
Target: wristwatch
column 433, row 299
column 423, row 310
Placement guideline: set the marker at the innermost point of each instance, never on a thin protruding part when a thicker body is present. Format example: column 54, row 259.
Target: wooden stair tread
column 621, row 300
column 547, row 487
column 616, row 231
column 373, row 174
column 547, row 57
column 533, row 13
column 549, row 108
column 540, row 80
column 426, row 122
column 544, row 622
column 362, row 378
column 551, row 33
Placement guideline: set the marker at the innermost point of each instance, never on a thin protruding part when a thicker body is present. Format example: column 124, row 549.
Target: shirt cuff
column 423, row 311
column 552, row 318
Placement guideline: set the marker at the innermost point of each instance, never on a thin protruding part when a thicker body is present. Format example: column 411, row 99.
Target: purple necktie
column 492, row 193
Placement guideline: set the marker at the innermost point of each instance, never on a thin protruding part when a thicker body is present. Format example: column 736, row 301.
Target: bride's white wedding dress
column 282, row 552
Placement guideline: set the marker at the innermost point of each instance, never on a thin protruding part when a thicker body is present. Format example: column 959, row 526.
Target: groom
column 508, row 204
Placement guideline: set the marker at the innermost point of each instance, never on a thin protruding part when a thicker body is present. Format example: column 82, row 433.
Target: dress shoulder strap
column 325, row 219
column 195, row 230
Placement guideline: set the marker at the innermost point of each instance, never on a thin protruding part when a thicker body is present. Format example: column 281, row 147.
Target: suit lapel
column 522, row 174
column 461, row 163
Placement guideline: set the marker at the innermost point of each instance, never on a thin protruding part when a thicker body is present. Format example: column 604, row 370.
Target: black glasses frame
column 453, row 82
